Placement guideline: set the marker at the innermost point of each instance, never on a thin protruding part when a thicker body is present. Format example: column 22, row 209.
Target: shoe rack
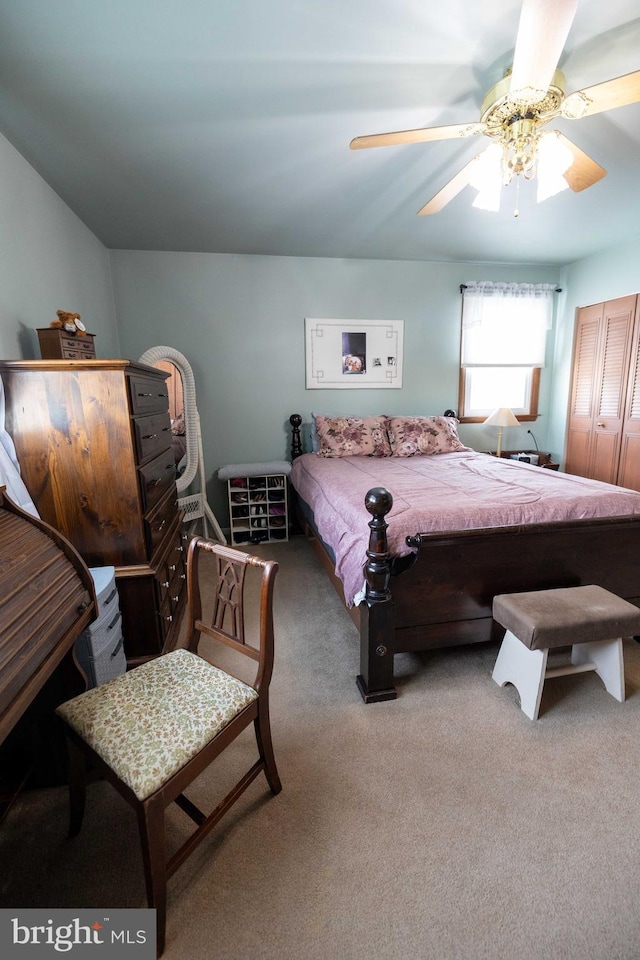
column 258, row 508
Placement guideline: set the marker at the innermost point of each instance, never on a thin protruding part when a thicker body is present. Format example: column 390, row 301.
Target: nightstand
column 258, row 502
column 544, row 459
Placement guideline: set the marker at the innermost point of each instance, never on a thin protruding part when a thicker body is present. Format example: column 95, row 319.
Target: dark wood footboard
column 442, row 594
column 444, row 598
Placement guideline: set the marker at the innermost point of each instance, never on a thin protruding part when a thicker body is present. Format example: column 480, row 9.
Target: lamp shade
column 502, row 417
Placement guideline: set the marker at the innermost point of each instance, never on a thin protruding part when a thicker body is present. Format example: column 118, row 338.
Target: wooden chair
column 153, row 730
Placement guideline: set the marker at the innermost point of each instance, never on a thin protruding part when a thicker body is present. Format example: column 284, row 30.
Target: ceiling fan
column 515, row 112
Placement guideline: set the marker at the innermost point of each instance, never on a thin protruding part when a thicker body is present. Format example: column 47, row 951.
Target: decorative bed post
column 296, row 442
column 377, row 645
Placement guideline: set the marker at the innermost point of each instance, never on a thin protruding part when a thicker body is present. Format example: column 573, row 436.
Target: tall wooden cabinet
column 93, row 439
column 603, row 439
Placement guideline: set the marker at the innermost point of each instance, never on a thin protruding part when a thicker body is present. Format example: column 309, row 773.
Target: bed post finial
column 296, row 443
column 377, row 568
column 377, row 645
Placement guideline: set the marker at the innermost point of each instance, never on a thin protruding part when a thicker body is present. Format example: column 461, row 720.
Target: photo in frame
column 352, row 354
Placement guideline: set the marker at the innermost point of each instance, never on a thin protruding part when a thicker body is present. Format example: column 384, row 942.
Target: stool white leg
column 525, row 669
column 609, row 663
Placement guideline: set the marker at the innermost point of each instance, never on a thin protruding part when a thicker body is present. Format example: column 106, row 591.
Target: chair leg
column 609, row 663
column 262, row 728
column 152, row 839
column 525, row 669
column 77, row 787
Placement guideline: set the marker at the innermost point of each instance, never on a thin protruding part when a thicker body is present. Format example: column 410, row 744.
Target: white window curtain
column 505, row 324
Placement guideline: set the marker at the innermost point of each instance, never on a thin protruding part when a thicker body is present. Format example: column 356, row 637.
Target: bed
column 418, row 533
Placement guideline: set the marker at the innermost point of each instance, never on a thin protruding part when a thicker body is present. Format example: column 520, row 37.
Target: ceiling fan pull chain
column 516, row 212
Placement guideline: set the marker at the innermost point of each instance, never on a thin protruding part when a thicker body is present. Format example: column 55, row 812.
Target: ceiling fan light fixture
column 488, row 199
column 514, row 112
column 486, row 178
column 554, row 159
column 519, row 149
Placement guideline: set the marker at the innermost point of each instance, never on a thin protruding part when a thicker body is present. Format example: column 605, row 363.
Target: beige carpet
column 443, row 825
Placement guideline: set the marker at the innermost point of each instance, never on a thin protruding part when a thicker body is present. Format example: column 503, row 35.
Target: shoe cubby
column 258, row 509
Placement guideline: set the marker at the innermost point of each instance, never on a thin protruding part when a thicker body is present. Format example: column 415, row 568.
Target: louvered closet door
column 611, row 379
column 583, row 390
column 629, row 470
column 600, row 389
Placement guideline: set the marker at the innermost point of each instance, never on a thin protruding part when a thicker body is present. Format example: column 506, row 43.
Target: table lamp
column 500, row 418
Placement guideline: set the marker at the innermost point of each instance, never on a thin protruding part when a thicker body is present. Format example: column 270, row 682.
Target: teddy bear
column 69, row 322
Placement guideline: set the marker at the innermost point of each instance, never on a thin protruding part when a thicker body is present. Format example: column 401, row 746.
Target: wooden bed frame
column 442, row 594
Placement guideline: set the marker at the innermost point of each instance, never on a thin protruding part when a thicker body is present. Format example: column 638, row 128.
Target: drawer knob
column 169, row 618
column 165, row 584
column 172, row 567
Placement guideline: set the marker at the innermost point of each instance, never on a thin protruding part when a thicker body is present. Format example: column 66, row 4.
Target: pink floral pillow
column 352, row 436
column 414, row 436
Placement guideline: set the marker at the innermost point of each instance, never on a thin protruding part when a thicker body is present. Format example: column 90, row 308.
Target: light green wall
column 604, row 276
column 48, row 261
column 239, row 320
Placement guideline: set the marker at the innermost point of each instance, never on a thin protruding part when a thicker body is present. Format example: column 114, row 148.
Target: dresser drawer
column 80, row 346
column 148, row 395
column 71, row 354
column 177, row 559
column 171, row 577
column 156, row 478
column 158, row 522
column 171, row 589
column 153, row 435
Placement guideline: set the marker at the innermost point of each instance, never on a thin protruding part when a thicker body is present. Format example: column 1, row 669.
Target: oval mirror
column 187, row 440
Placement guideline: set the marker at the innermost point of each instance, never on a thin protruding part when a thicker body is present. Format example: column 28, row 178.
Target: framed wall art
column 353, row 354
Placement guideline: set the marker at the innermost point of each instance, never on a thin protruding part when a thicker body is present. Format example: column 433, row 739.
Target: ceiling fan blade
column 418, row 136
column 584, row 171
column 542, row 33
column 450, row 189
column 604, row 96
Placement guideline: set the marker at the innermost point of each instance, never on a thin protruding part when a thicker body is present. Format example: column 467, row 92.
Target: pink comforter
column 453, row 491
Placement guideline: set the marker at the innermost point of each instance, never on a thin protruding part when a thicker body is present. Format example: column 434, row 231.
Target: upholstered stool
column 589, row 619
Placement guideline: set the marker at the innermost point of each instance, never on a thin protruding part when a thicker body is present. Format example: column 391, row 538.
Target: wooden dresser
column 93, row 439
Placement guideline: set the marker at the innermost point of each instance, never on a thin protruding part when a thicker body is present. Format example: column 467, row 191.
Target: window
column 504, row 332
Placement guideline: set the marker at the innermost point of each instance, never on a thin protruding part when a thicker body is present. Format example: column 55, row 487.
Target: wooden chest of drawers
column 57, row 344
column 93, row 440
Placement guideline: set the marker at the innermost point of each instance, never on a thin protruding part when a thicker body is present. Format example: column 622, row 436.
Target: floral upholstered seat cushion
column 147, row 723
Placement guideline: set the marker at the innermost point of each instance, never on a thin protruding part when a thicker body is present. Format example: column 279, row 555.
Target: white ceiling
column 224, row 125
